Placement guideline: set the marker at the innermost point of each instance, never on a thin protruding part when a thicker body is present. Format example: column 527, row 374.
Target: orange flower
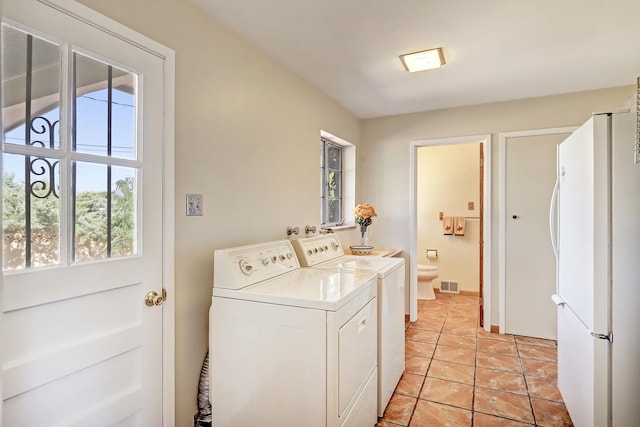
column 365, row 211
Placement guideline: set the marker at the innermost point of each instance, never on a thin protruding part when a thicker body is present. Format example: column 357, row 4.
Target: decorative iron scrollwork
column 45, row 168
column 40, row 166
column 47, row 128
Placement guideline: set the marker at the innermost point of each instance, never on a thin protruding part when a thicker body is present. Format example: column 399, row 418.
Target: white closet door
column 530, row 273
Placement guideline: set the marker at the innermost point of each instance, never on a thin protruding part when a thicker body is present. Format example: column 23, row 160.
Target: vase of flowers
column 363, row 217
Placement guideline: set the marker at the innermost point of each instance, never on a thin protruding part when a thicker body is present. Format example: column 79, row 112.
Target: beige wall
column 247, row 138
column 384, row 169
column 447, row 178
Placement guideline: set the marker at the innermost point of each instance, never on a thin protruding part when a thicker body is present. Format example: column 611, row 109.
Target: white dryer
column 325, row 252
column 290, row 346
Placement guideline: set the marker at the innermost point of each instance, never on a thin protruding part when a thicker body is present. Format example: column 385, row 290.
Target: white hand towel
column 459, row 225
column 447, row 225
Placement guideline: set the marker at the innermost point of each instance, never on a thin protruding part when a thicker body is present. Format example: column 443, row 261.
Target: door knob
column 153, row 298
column 515, row 217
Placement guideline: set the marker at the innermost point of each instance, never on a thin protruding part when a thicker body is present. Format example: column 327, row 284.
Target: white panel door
column 530, row 274
column 83, row 152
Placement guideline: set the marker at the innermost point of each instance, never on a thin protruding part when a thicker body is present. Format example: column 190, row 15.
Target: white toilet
column 426, row 274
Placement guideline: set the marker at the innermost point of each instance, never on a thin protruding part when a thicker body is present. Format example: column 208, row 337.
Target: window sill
column 338, row 228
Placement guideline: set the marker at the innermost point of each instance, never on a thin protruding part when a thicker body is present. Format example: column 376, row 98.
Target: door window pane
column 31, row 81
column 105, row 118
column 90, row 206
column 105, row 211
column 123, row 211
column 104, row 110
column 31, row 211
column 30, row 89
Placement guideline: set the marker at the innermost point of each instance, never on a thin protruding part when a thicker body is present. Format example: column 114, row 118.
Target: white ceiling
column 495, row 49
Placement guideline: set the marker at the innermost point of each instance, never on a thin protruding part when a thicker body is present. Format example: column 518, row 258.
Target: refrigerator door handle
column 608, row 337
column 552, row 219
column 560, row 302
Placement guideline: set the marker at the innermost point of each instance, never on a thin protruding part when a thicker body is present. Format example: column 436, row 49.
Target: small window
column 337, row 181
column 331, row 179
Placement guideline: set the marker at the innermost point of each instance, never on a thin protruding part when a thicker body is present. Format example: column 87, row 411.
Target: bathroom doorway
column 450, row 182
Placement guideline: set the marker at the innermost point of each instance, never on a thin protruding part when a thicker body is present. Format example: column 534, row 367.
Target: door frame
column 103, row 23
column 413, row 222
column 502, row 213
column 1, row 263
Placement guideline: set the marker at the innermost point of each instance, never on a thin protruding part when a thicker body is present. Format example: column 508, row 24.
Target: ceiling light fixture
column 423, row 60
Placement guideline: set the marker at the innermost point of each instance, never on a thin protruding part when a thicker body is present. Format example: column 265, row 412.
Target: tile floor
column 458, row 375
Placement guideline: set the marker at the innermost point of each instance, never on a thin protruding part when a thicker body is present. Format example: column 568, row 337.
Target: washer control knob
column 245, row 267
column 265, row 261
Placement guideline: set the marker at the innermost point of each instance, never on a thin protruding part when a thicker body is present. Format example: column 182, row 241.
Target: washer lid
column 309, row 288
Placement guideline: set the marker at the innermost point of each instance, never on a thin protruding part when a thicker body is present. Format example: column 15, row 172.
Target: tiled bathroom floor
column 458, row 375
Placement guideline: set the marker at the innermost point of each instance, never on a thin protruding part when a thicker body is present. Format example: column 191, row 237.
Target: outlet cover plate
column 194, row 204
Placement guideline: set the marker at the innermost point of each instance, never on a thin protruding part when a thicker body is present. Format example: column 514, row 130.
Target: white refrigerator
column 597, row 242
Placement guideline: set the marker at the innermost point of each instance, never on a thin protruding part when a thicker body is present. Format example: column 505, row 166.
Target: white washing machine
column 290, row 346
column 325, row 251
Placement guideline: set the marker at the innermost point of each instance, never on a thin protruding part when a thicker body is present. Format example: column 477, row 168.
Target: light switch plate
column 194, row 204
